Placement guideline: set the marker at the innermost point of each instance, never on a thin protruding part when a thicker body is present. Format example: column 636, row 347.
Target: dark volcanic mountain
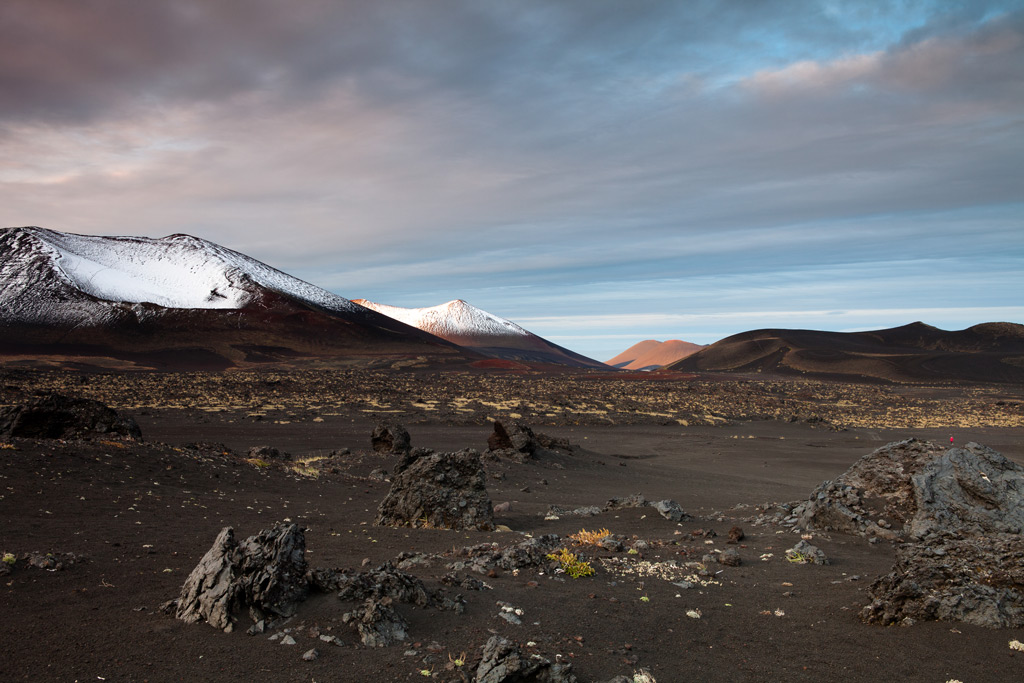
column 471, row 327
column 180, row 302
column 990, row 352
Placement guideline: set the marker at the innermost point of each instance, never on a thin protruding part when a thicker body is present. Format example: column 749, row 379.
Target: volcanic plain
column 125, row 521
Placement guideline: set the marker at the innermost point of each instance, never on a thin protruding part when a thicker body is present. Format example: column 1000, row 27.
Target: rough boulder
column 440, row 490
column 961, row 512
column 923, row 492
column 390, row 438
column 265, row 573
column 975, row 580
column 518, row 442
column 504, row 662
column 54, row 416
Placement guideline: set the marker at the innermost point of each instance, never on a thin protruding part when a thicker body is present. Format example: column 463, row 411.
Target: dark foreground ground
column 142, row 514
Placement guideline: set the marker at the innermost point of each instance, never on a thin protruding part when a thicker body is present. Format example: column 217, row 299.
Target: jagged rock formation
column 530, row 552
column 517, row 441
column 383, row 582
column 390, row 438
column 669, row 509
column 978, row 580
column 379, row 625
column 924, row 489
column 504, row 662
column 265, row 573
column 55, row 416
column 962, row 511
column 441, row 490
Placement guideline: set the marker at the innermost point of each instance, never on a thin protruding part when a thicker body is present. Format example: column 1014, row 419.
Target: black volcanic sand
column 144, row 513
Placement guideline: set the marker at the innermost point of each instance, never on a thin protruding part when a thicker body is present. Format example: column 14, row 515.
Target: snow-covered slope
column 454, row 320
column 182, row 302
column 179, row 271
column 471, row 327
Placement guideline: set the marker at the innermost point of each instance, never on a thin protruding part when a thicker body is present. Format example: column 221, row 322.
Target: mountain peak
column 464, row 324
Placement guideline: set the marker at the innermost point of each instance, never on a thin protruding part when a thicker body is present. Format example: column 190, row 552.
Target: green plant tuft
column 571, row 564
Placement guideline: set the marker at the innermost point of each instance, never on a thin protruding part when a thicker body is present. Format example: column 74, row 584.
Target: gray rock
column 333, row 640
column 439, row 490
column 504, row 662
column 53, row 562
column 669, row 509
column 311, row 655
column 978, row 580
column 510, row 617
column 635, row 500
column 613, row 544
column 383, row 582
column 971, row 490
column 805, row 553
column 265, row 573
column 513, row 436
column 379, row 625
column 729, row 557
column 390, row 437
column 584, row 511
column 927, row 491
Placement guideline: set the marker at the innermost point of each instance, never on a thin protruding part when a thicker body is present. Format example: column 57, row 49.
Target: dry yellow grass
column 584, row 537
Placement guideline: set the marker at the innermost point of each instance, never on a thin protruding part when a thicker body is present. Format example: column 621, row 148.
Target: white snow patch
column 451, row 320
column 178, row 271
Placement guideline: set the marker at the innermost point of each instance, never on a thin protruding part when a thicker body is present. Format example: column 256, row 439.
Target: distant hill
column 181, row 302
column 990, row 352
column 651, row 354
column 470, row 327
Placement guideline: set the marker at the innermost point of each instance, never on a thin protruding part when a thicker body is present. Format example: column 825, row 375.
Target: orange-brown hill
column 651, row 354
column 990, row 352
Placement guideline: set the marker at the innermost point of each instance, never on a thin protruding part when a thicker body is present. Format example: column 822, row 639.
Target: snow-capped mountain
column 178, row 271
column 471, row 327
column 135, row 295
column 453, row 320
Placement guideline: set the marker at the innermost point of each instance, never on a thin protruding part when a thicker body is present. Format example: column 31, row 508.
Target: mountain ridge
column 76, row 295
column 916, row 352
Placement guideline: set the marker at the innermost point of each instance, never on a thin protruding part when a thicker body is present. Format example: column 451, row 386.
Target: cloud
column 985, row 62
column 533, row 154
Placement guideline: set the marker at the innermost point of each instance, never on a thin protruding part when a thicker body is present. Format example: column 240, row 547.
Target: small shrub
column 258, row 462
column 797, row 557
column 9, row 558
column 571, row 564
column 585, row 537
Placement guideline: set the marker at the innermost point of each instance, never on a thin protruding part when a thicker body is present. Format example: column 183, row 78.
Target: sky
column 598, row 172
